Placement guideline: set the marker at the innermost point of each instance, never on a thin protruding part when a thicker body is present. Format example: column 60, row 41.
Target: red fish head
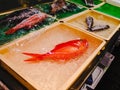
column 78, row 43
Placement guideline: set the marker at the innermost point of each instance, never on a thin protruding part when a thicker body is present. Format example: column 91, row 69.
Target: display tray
column 79, row 21
column 113, row 10
column 47, row 74
column 64, row 13
column 5, row 39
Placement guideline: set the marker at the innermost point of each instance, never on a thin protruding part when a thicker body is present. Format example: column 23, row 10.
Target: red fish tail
column 34, row 57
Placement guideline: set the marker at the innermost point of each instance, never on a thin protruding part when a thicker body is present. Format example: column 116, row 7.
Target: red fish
column 64, row 51
column 28, row 23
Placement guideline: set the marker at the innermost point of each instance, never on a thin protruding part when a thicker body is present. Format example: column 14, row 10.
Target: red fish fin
column 32, row 59
column 10, row 31
column 32, row 54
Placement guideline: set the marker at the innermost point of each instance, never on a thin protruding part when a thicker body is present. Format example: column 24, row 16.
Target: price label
column 107, row 59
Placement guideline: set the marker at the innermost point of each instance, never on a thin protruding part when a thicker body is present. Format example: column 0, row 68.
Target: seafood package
column 60, row 8
column 96, row 23
column 21, row 22
column 52, row 59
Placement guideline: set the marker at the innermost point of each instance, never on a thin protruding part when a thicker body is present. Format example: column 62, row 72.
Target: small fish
column 28, row 23
column 58, row 5
column 17, row 16
column 99, row 27
column 64, row 51
column 89, row 22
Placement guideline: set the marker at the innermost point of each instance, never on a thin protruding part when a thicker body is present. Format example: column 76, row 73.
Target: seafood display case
column 58, row 44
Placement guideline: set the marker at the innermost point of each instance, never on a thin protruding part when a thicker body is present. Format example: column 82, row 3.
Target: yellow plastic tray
column 99, row 19
column 47, row 75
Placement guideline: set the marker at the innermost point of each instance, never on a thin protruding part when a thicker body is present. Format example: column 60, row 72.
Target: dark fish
column 89, row 22
column 18, row 16
column 99, row 27
column 57, row 6
column 28, row 23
